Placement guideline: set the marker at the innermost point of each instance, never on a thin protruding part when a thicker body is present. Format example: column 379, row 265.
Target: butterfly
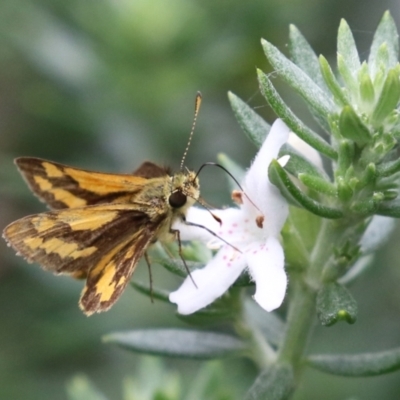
column 101, row 224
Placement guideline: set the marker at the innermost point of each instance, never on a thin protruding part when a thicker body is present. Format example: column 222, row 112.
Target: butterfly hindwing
column 107, row 279
column 70, row 241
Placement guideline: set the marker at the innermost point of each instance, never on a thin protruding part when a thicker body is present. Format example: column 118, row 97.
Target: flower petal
column 212, row 281
column 258, row 187
column 266, row 266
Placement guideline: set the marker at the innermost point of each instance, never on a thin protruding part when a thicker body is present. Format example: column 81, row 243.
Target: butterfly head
column 185, row 191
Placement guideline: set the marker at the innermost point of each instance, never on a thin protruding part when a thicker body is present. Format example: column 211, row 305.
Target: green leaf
column 294, row 123
column 389, row 168
column 388, row 98
column 192, row 344
column 153, row 292
column 279, row 177
column 304, row 56
column 255, row 128
column 347, row 47
column 319, row 185
column 274, row 383
column 389, row 208
column 367, row 90
column 335, row 303
column 80, row 388
column 357, row 365
column 299, row 81
column 385, row 33
column 348, row 78
column 351, row 127
column 300, row 232
column 332, row 82
column 235, row 169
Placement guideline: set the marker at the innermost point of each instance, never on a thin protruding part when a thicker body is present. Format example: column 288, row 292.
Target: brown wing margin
column 61, row 186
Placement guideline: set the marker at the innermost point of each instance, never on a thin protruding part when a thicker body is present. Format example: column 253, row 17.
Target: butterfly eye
column 177, row 199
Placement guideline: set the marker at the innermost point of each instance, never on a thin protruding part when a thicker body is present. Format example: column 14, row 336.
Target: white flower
column 254, row 229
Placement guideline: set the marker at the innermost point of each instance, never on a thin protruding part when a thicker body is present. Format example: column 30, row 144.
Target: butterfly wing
column 108, row 278
column 61, row 186
column 103, row 243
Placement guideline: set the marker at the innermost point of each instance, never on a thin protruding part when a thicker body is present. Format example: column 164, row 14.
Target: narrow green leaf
column 364, row 207
column 335, row 303
column 294, row 123
column 388, row 98
column 348, row 78
column 332, row 82
column 385, row 33
column 319, row 185
column 193, row 344
column 80, row 388
column 235, row 169
column 299, row 81
column 274, row 383
column 367, row 90
column 300, row 232
column 280, row 178
column 153, row 292
column 304, row 56
column 351, row 127
column 347, row 47
column 389, row 168
column 255, row 128
column 389, row 208
column 357, row 365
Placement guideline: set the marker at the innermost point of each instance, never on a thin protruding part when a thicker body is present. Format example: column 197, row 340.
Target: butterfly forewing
column 61, row 186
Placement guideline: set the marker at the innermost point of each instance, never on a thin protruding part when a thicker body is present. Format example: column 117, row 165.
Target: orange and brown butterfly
column 101, row 223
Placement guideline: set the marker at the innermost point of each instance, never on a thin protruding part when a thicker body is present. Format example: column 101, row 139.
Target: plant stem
column 304, row 290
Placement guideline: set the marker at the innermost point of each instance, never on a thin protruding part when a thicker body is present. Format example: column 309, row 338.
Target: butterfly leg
column 146, row 257
column 177, row 235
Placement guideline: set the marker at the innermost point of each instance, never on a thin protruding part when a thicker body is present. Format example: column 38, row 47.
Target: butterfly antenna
column 197, row 104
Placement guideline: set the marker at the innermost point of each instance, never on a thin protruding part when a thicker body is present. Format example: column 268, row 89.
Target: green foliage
column 275, row 383
column 335, row 303
column 192, row 344
column 357, row 365
column 255, row 128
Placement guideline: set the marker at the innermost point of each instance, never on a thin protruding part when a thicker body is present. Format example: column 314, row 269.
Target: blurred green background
column 107, row 84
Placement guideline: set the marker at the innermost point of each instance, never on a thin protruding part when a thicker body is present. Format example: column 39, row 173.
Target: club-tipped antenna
column 197, row 104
